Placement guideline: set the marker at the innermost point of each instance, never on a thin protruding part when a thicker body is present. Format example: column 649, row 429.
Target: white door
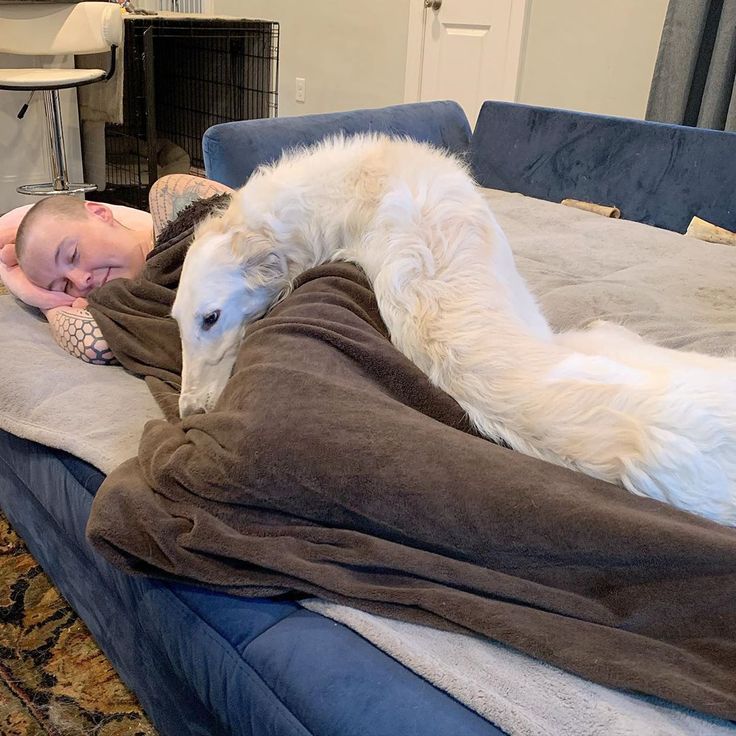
column 469, row 51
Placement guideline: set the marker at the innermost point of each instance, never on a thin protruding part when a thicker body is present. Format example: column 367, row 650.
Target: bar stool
column 33, row 29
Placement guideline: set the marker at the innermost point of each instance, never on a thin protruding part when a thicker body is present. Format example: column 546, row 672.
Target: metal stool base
column 43, row 190
column 55, row 137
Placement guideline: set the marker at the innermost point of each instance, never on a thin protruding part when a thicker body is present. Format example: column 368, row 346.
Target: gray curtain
column 694, row 79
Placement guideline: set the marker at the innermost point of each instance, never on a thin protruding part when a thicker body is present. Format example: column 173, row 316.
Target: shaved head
column 50, row 209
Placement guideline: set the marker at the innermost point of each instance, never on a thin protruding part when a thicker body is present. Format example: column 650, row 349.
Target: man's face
column 78, row 255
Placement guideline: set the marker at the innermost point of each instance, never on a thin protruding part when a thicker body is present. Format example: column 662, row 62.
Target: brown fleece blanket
column 331, row 467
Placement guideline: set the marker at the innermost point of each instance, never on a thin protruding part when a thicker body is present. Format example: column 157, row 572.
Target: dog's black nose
column 187, row 408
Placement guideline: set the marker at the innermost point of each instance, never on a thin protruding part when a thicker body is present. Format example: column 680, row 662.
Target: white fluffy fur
column 661, row 423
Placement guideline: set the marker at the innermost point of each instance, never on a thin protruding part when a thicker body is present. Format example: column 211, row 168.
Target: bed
column 203, row 661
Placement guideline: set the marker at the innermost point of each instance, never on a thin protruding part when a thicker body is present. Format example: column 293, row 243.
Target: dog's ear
column 264, row 269
column 267, row 270
column 260, row 264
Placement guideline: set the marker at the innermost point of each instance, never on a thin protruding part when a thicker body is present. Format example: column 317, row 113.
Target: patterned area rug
column 54, row 681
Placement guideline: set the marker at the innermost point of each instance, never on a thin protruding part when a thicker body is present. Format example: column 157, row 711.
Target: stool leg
column 56, row 139
column 60, row 183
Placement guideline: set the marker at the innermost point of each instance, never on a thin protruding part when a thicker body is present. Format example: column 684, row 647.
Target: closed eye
column 210, row 319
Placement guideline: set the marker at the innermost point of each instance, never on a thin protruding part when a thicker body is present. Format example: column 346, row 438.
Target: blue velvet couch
column 202, row 662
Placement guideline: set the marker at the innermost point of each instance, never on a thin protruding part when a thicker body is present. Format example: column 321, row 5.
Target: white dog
column 660, row 422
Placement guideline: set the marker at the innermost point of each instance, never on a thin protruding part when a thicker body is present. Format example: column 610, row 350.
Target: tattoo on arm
column 170, row 194
column 77, row 332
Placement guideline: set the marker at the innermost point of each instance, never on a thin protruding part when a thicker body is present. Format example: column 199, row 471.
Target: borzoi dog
column 662, row 423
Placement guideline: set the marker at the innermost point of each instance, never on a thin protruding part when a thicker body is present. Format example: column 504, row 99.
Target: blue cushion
column 112, row 619
column 354, row 689
column 655, row 173
column 232, row 151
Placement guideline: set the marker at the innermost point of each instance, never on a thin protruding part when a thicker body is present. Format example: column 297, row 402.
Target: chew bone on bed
column 704, row 230
column 598, row 209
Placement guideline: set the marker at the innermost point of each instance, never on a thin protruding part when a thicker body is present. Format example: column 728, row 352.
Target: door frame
column 518, row 27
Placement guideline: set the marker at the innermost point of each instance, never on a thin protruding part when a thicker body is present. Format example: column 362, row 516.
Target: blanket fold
column 332, row 467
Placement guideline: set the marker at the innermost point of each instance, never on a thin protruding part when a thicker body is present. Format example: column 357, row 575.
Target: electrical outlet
column 301, row 89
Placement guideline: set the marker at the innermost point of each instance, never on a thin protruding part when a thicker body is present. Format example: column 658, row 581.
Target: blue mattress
column 203, row 662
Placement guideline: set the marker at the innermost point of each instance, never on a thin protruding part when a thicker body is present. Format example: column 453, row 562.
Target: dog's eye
column 209, row 319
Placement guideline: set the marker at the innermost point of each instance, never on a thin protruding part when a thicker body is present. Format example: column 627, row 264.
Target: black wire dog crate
column 182, row 75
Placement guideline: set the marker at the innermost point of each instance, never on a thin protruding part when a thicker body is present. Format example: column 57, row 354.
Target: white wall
column 591, row 55
column 352, row 54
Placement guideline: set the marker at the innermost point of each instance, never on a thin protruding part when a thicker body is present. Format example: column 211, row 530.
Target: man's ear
column 97, row 209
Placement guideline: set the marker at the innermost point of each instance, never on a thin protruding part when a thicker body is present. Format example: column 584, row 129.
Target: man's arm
column 76, row 331
column 16, row 283
column 170, row 194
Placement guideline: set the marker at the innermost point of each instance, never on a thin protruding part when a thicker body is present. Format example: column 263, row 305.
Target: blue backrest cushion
column 655, row 173
column 232, row 151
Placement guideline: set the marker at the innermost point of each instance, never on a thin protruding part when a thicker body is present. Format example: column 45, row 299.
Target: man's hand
column 10, row 272
column 8, row 228
column 7, row 246
column 18, row 284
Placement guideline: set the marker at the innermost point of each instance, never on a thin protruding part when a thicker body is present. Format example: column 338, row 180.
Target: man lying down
column 55, row 253
column 331, row 466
